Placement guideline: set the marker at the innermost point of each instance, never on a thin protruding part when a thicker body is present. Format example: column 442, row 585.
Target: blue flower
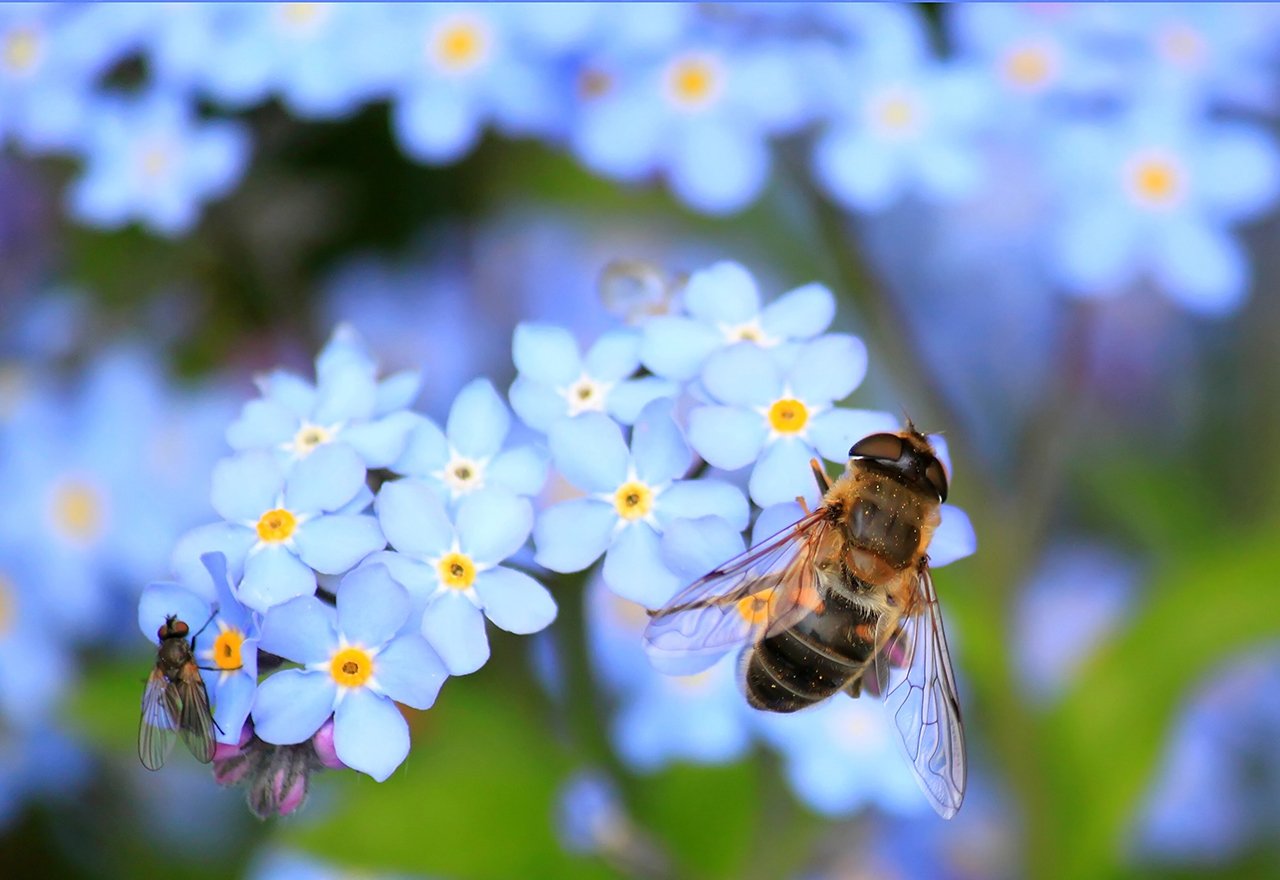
column 775, row 409
column 556, row 381
column 633, row 495
column 346, row 405
column 283, row 527
column 148, row 159
column 1155, row 196
column 354, row 666
column 35, row 668
column 451, row 567
column 37, row 763
column 723, row 305
column 468, row 454
column 228, row 631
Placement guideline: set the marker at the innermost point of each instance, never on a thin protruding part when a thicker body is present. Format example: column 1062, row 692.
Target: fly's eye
column 887, row 447
column 936, row 476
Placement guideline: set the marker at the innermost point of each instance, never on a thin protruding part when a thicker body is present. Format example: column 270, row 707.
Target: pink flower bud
column 322, row 742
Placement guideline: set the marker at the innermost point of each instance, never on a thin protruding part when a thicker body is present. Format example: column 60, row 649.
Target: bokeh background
column 1054, row 226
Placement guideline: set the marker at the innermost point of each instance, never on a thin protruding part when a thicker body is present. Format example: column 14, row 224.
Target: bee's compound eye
column 936, row 475
column 887, row 447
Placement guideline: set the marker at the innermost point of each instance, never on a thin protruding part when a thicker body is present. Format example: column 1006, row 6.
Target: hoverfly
column 175, row 700
column 844, row 590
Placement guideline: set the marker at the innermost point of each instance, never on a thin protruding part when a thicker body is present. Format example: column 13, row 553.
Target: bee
column 843, row 592
column 175, row 700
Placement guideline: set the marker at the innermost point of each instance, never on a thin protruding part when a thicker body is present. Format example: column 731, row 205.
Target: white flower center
column 310, row 436
column 586, row 395
column 896, row 114
column 462, row 474
column 747, row 331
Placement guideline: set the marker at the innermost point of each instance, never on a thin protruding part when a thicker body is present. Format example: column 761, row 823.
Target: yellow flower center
column 694, row 81
column 226, row 649
column 351, row 667
column 6, row 604
column 276, row 525
column 21, row 50
column 1155, row 181
column 78, row 511
column 755, row 608
column 310, row 436
column 895, row 113
column 1028, row 67
column 459, row 44
column 1181, row 44
column 457, row 571
column 696, row 683
column 788, row 416
column 154, row 162
column 633, row 500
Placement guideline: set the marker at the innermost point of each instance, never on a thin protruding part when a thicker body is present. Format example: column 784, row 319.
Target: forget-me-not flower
column 451, row 567
column 468, row 455
column 34, row 668
column 555, row 380
column 633, row 494
column 355, row 663
column 776, row 409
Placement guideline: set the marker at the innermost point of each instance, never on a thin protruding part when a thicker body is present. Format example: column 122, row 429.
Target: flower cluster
column 1140, row 126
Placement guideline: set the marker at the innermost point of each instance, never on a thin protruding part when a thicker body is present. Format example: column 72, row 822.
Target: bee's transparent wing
column 196, row 721
column 161, row 715
column 706, row 619
column 913, row 667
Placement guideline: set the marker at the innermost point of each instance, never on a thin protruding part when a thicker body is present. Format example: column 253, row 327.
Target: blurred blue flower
column 451, row 567
column 283, row 526
column 775, row 408
column 35, row 664
column 354, row 665
column 37, row 763
column 589, row 814
column 556, row 381
column 228, row 631
column 274, row 863
column 148, row 159
column 1154, row 197
column 468, row 455
column 723, row 306
column 633, row 495
column 347, row 405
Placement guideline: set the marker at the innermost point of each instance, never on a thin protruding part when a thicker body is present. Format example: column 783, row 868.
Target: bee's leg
column 824, row 484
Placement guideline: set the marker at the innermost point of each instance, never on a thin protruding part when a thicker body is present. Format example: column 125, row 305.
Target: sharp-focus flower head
column 355, row 663
column 451, row 567
column 633, row 494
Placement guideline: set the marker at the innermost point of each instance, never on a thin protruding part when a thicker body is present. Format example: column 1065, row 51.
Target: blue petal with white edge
column 690, row 499
column 743, row 375
column 246, row 486
column 614, row 356
column 658, row 449
column 274, row 575
column 334, row 543
column 514, row 601
column 723, row 293
column 627, row 399
column 493, row 524
column 834, row 432
column 953, row 539
column 782, row 472
column 728, row 437
column 571, row 535
column 546, row 354
column 676, row 347
column 800, row 314
column 370, row 734
column 325, row 479
column 633, row 567
column 290, row 706
column 409, row 671
column 371, row 606
column 161, row 600
column 828, row 369
column 303, row 630
column 413, row 518
column 590, row 452
column 478, row 420
column 455, row 628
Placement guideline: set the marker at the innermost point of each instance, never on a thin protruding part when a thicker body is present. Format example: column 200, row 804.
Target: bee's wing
column 913, row 667
column 161, row 714
column 195, row 724
column 704, row 621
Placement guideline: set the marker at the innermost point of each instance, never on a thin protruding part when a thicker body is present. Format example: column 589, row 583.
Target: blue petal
column 426, row 451
column 953, row 539
column 614, row 356
column 326, row 479
column 455, row 628
column 1096, row 248
column 694, row 498
column 381, row 442
column 371, row 606
column 232, row 700
column 301, row 630
column 828, row 369
column 723, row 293
column 398, row 391
column 274, row 575
column 370, row 734
column 782, row 473
column 693, row 547
column 676, row 347
column 773, row 519
column 232, row 541
column 633, row 567
column 493, row 524
column 229, row 608
column 719, row 168
column 743, row 375
column 627, row 399
column 419, row 578
column 289, row 389
column 1201, row 267
column 413, row 518
column 728, row 437
column 546, row 354
column 478, row 420
column 160, row 600
column 514, row 601
column 855, row 170
column 435, row 126
column 346, row 395
column 572, row 535
column 290, row 706
column 263, row 424
column 658, row 449
column 522, row 470
column 334, row 543
column 590, row 452
column 246, row 486
column 537, row 405
column 834, row 432
column 409, row 671
column 800, row 314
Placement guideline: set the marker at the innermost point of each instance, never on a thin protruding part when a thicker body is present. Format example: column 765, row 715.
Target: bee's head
column 172, row 628
column 908, row 453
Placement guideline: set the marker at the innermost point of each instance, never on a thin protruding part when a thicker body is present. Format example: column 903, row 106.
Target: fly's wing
column 195, row 724
column 913, row 668
column 161, row 712
column 764, row 590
